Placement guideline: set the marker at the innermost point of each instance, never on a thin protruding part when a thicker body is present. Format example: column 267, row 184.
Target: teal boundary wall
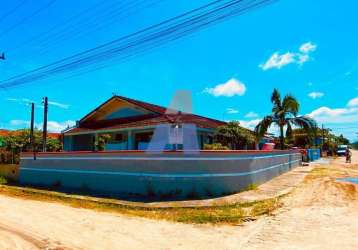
column 313, row 154
column 170, row 174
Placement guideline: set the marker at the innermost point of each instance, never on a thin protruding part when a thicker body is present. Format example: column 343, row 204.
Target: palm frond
column 290, row 105
column 305, row 122
column 263, row 126
column 276, row 100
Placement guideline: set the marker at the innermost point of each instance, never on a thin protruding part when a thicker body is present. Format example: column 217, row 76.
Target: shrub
column 3, row 180
column 215, row 146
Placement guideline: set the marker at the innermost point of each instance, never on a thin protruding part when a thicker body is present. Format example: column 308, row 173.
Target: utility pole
column 315, row 136
column 44, row 130
column 32, row 141
column 322, row 138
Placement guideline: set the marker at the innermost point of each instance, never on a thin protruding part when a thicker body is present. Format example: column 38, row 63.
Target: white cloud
column 335, row 115
column 52, row 126
column 19, row 123
column 26, row 101
column 308, row 47
column 232, row 111
column 315, row 95
column 59, row 105
column 251, row 115
column 302, row 59
column 230, row 88
column 340, row 120
column 353, row 102
column 278, row 60
column 250, row 124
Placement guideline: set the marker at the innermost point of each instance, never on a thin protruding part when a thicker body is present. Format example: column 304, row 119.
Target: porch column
column 130, row 140
column 95, row 142
column 68, row 143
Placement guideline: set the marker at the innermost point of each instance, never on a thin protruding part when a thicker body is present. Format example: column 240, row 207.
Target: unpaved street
column 34, row 223
column 320, row 214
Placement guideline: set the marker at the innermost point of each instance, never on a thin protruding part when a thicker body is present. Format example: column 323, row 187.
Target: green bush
column 8, row 157
column 19, row 141
column 3, row 180
column 215, row 146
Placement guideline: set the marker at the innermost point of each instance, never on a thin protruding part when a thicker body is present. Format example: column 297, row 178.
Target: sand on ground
column 319, row 214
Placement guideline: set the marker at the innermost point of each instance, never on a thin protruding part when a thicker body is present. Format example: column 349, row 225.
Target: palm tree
column 284, row 114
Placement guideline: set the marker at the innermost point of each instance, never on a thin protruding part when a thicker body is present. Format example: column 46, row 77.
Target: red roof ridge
column 163, row 113
column 146, row 105
column 134, row 101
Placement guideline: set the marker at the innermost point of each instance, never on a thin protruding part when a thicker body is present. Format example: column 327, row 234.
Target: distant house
column 129, row 125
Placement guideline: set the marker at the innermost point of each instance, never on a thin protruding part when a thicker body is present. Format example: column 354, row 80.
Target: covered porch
column 124, row 139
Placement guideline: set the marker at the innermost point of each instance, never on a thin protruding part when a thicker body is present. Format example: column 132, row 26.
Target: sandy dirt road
column 319, row 214
column 55, row 226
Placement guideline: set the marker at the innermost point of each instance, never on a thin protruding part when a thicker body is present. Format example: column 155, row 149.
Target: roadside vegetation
column 284, row 115
column 15, row 142
column 232, row 137
column 216, row 214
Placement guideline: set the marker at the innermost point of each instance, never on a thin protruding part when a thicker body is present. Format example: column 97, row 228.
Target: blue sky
column 305, row 48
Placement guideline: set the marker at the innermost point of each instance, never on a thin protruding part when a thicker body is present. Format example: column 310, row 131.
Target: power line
column 106, row 45
column 13, row 10
column 143, row 40
column 52, row 28
column 91, row 25
column 26, row 18
column 99, row 10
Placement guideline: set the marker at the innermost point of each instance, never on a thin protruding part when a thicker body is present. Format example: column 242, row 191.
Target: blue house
column 129, row 125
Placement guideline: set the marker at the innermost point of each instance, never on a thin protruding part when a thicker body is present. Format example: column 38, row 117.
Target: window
column 118, row 137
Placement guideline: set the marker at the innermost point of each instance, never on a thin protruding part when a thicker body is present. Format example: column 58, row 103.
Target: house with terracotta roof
column 129, row 125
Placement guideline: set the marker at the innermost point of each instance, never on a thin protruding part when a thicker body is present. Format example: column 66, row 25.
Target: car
column 341, row 150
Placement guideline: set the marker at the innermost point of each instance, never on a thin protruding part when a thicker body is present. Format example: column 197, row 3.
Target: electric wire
column 13, row 10
column 87, row 21
column 145, row 39
column 27, row 18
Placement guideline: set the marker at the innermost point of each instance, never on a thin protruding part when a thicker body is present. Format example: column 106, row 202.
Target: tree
column 342, row 140
column 232, row 133
column 284, row 114
column 101, row 141
column 355, row 145
column 19, row 141
column 215, row 146
column 300, row 138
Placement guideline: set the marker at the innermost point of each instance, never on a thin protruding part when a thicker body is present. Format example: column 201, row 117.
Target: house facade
column 129, row 124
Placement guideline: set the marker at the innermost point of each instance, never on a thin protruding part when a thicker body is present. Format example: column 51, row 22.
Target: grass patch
column 251, row 186
column 218, row 214
column 3, row 180
column 9, row 171
column 327, row 171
